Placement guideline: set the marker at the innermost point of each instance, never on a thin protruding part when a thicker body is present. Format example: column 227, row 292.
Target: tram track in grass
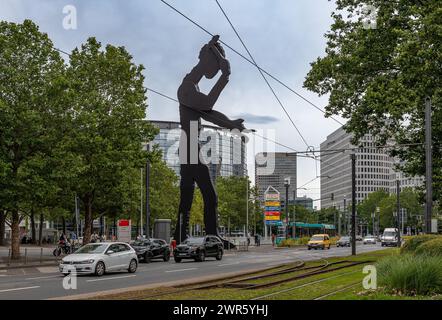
column 316, row 279
column 241, row 282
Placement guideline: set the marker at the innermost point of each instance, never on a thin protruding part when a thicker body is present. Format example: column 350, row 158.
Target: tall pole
column 353, row 204
column 147, row 196
column 141, row 201
column 398, row 210
column 345, row 217
column 287, row 210
column 294, row 211
column 429, row 166
column 247, row 209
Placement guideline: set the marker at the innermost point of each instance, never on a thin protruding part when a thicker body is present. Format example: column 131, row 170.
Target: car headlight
column 86, row 261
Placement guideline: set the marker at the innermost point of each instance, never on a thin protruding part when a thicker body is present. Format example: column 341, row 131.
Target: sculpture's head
column 209, row 58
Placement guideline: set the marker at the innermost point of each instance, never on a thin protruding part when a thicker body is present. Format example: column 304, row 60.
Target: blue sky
column 283, row 35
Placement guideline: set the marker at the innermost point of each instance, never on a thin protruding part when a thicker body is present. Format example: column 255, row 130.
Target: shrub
column 411, row 275
column 430, row 248
column 294, row 242
column 413, row 243
column 287, row 243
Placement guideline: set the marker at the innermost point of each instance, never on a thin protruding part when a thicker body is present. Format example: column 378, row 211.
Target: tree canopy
column 379, row 77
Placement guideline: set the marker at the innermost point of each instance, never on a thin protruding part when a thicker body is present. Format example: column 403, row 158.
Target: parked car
column 198, row 248
column 369, row 240
column 344, row 242
column 359, row 237
column 99, row 258
column 319, row 241
column 148, row 249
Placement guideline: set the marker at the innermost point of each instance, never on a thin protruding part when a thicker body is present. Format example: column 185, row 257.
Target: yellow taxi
column 319, row 241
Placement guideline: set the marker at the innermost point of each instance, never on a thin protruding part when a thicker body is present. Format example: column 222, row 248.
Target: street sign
column 124, row 232
column 434, row 228
column 272, row 215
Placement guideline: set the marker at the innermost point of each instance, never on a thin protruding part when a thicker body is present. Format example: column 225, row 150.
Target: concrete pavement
column 46, row 282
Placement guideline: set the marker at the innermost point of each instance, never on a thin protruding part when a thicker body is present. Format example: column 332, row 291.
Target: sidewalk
column 30, row 256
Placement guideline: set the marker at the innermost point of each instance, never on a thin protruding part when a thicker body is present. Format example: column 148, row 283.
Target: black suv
column 198, row 248
column 148, row 249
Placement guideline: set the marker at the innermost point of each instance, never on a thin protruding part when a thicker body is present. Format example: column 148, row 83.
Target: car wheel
column 177, row 260
column 219, row 256
column 166, row 256
column 100, row 269
column 146, row 258
column 132, row 266
column 309, row 248
column 201, row 256
column 329, row 246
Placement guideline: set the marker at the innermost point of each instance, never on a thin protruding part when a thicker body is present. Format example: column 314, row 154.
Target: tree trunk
column 2, row 227
column 63, row 223
column 40, row 230
column 33, row 233
column 88, row 221
column 15, row 235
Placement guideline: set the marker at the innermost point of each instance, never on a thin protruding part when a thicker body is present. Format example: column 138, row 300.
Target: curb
column 13, row 267
column 177, row 283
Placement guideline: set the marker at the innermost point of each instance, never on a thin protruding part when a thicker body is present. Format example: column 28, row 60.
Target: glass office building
column 225, row 154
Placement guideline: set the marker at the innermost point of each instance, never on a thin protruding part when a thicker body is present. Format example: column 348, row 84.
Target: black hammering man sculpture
column 195, row 105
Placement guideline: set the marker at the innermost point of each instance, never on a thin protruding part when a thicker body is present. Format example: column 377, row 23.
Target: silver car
column 99, row 258
column 369, row 240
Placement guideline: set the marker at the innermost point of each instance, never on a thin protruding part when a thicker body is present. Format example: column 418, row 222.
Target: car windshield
column 389, row 234
column 344, row 239
column 194, row 241
column 141, row 243
column 92, row 248
column 317, row 238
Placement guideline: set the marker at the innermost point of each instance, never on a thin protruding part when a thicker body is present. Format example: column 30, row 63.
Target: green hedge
column 413, row 243
column 430, row 248
column 411, row 274
column 294, row 242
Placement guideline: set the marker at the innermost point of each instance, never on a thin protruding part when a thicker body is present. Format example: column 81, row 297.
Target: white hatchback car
column 98, row 258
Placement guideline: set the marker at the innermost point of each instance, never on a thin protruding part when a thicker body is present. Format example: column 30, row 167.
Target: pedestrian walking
column 273, row 239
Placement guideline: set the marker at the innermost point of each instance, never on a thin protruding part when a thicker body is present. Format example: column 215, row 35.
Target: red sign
column 123, row 223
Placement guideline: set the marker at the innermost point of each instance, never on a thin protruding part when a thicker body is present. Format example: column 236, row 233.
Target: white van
column 389, row 237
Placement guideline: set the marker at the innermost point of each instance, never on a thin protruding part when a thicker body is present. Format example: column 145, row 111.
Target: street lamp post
column 398, row 204
column 287, row 185
column 378, row 224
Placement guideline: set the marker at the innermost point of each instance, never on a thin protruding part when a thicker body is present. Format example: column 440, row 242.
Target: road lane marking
column 113, row 278
column 180, row 270
column 47, row 277
column 228, row 264
column 18, row 289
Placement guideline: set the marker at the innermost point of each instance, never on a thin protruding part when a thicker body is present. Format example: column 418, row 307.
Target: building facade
column 226, row 154
column 271, row 168
column 375, row 170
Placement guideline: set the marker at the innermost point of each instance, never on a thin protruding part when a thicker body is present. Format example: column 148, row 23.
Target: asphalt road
column 47, row 282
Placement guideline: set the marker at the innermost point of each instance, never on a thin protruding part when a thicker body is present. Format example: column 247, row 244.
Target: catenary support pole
column 353, row 204
column 429, row 166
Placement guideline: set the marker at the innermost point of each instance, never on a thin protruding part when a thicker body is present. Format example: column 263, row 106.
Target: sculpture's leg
column 210, row 199
column 210, row 204
column 187, row 188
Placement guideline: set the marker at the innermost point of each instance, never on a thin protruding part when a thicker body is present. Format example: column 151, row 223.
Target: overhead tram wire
column 262, row 73
column 254, row 133
column 250, row 61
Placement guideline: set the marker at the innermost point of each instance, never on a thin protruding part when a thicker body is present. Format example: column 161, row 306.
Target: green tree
column 232, row 201
column 31, row 82
column 379, row 78
column 164, row 192
column 107, row 128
